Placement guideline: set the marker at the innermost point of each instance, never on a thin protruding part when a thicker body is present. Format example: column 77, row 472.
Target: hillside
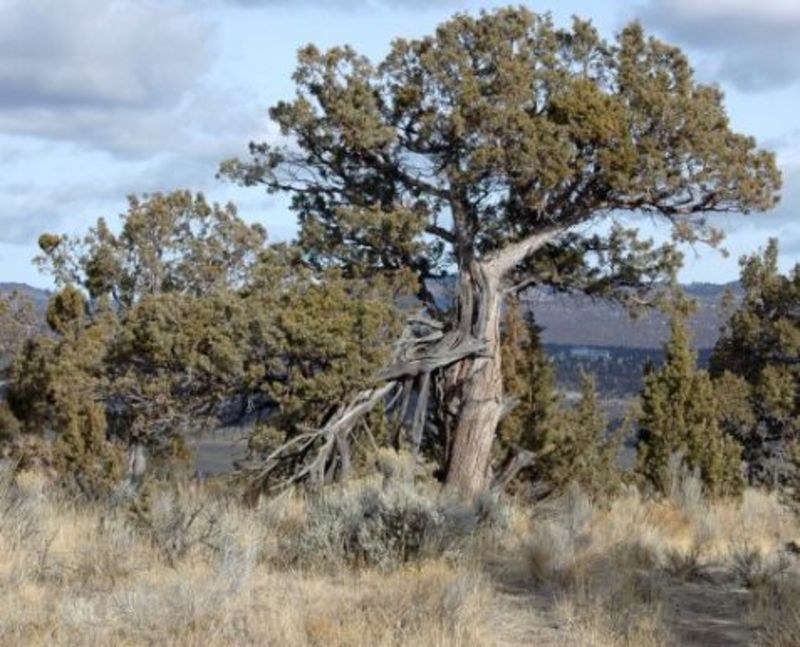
column 571, row 319
column 38, row 296
column 578, row 320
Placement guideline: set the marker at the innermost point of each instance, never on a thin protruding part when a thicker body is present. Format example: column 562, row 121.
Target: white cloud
column 777, row 11
column 752, row 44
column 98, row 52
column 59, row 186
column 205, row 117
column 101, row 98
column 84, row 70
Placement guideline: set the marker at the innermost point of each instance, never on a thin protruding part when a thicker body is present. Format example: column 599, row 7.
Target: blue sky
column 103, row 98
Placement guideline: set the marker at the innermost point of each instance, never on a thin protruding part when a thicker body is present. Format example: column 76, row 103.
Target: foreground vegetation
column 388, row 561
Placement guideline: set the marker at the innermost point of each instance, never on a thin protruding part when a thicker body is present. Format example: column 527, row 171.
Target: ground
column 187, row 564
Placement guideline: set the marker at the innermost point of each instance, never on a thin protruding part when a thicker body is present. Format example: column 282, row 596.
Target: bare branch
column 500, row 262
column 435, row 359
column 517, row 460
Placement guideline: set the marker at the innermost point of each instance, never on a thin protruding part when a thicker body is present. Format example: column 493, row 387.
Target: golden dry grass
column 565, row 573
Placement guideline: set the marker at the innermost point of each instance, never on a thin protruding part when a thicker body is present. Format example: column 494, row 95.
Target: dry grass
column 198, row 569
column 77, row 575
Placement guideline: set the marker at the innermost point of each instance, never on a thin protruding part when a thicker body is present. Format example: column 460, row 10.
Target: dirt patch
column 709, row 613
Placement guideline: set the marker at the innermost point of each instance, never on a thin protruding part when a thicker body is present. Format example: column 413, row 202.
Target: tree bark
column 480, row 378
column 481, row 384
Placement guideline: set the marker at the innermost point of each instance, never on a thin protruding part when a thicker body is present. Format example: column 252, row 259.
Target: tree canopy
column 493, row 130
column 488, row 148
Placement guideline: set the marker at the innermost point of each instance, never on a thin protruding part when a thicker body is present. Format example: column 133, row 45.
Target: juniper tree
column 155, row 305
column 581, row 449
column 553, row 443
column 57, row 385
column 680, row 414
column 529, row 378
column 186, row 318
column 17, row 322
column 484, row 149
column 758, row 355
column 529, row 381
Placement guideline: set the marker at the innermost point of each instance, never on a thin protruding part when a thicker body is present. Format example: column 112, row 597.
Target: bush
column 756, row 569
column 9, row 425
column 172, row 524
column 382, row 525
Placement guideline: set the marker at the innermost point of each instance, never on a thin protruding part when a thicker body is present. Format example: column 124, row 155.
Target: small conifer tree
column 584, row 453
column 756, row 364
column 83, row 454
column 529, row 377
column 680, row 414
column 569, row 445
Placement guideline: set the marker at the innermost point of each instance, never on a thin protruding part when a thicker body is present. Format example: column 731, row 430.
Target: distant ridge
column 579, row 320
column 570, row 319
column 37, row 295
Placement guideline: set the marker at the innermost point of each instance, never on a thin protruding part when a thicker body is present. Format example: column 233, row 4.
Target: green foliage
column 583, row 453
column 82, row 452
column 680, row 415
column 186, row 318
column 142, row 324
column 571, row 444
column 759, row 352
column 67, row 311
column 174, row 242
column 529, row 377
column 321, row 337
column 57, row 373
column 55, row 384
column 17, row 322
column 504, row 125
column 480, row 147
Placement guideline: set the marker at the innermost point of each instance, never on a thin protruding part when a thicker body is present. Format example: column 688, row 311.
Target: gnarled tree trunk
column 481, row 382
column 458, row 369
column 481, row 405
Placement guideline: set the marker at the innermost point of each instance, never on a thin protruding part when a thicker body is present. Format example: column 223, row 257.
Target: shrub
column 755, row 568
column 173, row 525
column 382, row 525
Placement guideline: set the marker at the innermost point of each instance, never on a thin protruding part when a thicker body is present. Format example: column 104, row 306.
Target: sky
column 100, row 99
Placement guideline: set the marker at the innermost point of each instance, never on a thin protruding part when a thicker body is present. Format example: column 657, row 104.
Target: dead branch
column 517, row 460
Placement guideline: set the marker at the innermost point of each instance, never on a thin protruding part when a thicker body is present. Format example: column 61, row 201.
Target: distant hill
column 578, row 320
column 570, row 319
column 38, row 296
